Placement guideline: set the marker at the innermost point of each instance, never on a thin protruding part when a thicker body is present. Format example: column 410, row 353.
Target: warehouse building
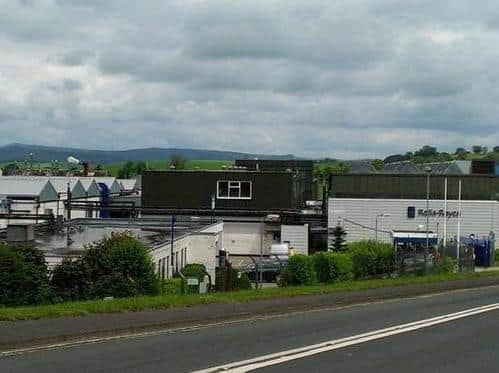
column 373, row 206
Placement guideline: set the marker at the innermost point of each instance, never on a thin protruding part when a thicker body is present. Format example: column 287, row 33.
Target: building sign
column 438, row 213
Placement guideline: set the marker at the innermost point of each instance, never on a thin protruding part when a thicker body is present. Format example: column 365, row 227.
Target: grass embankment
column 172, row 301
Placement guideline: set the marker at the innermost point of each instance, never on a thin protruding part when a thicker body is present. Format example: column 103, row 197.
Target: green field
column 202, row 164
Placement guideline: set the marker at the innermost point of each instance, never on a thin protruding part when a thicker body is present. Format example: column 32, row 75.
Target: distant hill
column 19, row 152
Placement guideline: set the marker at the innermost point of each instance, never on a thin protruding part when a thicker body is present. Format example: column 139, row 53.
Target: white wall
column 478, row 217
column 246, row 238
column 297, row 236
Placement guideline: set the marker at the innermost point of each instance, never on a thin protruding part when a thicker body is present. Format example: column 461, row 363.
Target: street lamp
column 376, row 227
column 427, row 170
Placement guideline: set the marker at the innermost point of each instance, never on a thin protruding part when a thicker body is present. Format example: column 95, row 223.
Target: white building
column 358, row 217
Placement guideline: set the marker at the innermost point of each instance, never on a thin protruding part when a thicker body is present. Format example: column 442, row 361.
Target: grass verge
column 171, row 301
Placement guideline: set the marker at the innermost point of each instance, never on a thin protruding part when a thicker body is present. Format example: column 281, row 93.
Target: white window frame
column 236, row 184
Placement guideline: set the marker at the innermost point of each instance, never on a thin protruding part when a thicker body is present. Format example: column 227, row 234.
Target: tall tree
column 177, row 161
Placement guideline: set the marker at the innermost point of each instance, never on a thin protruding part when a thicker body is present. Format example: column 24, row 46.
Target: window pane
column 234, row 192
column 234, row 184
column 223, row 189
column 246, row 189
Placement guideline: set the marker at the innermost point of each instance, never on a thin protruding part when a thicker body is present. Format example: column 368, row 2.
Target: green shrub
column 23, row 276
column 117, row 266
column 332, row 266
column 372, row 259
column 341, row 267
column 70, row 280
column 239, row 280
column 299, row 271
column 444, row 265
column 194, row 270
column 172, row 286
column 322, row 267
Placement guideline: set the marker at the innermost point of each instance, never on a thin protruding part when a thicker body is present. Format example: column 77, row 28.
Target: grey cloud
column 345, row 78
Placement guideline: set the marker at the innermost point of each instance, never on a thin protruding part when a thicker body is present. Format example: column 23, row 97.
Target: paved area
column 36, row 332
column 462, row 345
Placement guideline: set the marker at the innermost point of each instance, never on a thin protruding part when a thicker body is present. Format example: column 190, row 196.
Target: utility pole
column 172, row 238
column 427, row 248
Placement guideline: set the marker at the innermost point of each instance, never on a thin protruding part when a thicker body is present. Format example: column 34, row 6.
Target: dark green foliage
column 127, row 171
column 177, row 161
column 239, row 280
column 331, row 266
column 194, row 270
column 322, row 266
column 299, row 271
column 118, row 266
column 70, row 280
column 339, row 235
column 23, row 276
column 372, row 259
column 444, row 265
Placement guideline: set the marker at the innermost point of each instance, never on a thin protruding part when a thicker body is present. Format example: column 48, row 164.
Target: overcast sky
column 343, row 78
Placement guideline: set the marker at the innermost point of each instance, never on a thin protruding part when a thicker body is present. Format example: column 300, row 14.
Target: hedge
column 372, row 259
column 299, row 271
column 332, row 266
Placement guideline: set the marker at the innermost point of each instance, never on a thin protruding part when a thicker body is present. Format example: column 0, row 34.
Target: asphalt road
column 463, row 345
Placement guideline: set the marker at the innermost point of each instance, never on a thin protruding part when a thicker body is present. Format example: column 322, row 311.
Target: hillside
column 18, row 152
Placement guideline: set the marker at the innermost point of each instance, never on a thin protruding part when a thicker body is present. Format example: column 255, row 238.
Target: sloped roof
column 40, row 189
column 111, row 183
column 127, row 184
column 60, row 183
column 361, row 167
column 404, row 167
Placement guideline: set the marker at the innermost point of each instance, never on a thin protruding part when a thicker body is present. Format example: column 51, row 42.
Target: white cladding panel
column 243, row 238
column 297, row 236
column 358, row 217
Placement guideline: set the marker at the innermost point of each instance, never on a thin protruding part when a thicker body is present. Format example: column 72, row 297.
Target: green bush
column 341, row 267
column 299, row 271
column 332, row 266
column 194, row 270
column 239, row 280
column 322, row 266
column 444, row 265
column 70, row 280
column 23, row 276
column 372, row 259
column 172, row 286
column 117, row 266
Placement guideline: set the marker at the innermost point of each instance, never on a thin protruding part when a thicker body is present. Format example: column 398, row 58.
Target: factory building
column 225, row 190
column 372, row 206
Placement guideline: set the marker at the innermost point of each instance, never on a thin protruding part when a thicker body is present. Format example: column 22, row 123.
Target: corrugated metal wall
column 358, row 217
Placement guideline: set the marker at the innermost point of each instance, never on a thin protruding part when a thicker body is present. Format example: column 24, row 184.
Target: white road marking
column 302, row 352
column 170, row 330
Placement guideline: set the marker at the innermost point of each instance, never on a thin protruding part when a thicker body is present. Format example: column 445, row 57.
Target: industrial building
column 372, row 206
column 226, row 190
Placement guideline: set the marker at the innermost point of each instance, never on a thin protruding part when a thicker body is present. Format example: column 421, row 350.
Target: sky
column 344, row 78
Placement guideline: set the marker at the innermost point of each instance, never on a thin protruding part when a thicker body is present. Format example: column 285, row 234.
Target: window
column 234, row 189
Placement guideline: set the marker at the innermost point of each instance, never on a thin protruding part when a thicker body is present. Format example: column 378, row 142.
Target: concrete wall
column 247, row 238
column 358, row 215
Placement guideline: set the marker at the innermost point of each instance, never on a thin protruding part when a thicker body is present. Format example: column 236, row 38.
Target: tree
column 339, row 240
column 378, row 164
column 139, row 167
column 426, row 151
column 460, row 151
column 10, row 169
column 177, row 161
column 496, row 149
column 127, row 171
column 477, row 149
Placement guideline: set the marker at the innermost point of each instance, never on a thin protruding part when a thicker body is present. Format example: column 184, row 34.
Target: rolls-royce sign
column 439, row 213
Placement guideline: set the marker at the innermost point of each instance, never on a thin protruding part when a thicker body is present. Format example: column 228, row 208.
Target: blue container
column 482, row 248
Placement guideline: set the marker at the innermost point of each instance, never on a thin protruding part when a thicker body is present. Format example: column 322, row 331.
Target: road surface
column 452, row 332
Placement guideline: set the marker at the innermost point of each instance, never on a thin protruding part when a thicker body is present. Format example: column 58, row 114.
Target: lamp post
column 376, row 227
column 427, row 169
